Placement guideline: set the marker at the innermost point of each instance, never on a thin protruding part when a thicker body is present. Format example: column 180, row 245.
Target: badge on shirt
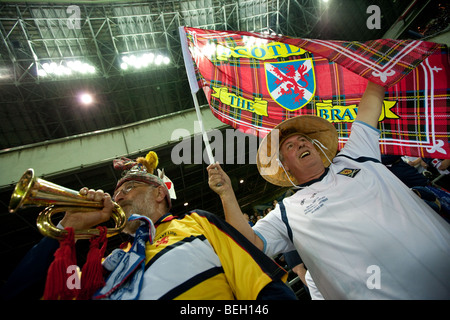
column 349, row 172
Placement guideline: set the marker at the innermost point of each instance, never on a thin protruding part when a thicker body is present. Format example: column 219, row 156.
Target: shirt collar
column 310, row 182
column 167, row 217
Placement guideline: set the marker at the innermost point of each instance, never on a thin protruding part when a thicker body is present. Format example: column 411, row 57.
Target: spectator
column 185, row 256
column 361, row 232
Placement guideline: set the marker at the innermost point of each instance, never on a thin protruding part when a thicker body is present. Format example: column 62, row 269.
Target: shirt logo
column 162, row 241
column 315, row 205
column 349, row 172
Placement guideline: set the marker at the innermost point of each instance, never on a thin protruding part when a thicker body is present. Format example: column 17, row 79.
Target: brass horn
column 31, row 191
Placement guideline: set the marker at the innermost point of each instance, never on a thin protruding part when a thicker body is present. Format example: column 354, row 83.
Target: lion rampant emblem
column 291, row 84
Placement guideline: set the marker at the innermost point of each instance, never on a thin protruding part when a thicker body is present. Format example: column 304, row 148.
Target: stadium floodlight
column 4, row 73
column 143, row 61
column 86, row 98
column 65, row 68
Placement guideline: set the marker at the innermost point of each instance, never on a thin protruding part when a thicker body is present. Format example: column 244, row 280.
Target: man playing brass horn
column 359, row 230
column 190, row 256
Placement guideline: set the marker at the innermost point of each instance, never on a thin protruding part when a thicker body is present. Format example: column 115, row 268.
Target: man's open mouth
column 304, row 154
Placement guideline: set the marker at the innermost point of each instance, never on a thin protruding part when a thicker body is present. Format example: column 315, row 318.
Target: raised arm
column 369, row 108
column 220, row 183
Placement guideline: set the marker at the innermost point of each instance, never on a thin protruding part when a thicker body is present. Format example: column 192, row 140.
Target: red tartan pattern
column 415, row 74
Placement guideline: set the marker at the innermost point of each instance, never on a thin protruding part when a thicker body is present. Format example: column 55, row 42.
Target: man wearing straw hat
column 359, row 230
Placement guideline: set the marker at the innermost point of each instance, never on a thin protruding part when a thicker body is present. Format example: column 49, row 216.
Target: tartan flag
column 254, row 81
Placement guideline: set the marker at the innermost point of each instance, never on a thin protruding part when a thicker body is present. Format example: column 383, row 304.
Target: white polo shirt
column 361, row 232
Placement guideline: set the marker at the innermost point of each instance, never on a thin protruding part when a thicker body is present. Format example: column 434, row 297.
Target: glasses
column 128, row 187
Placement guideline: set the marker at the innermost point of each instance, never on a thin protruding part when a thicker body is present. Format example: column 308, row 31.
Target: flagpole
column 190, row 71
column 205, row 137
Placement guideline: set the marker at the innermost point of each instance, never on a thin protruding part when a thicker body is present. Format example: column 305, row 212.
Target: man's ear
column 160, row 195
column 280, row 162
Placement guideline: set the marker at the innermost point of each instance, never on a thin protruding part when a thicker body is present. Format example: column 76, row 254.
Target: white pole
column 205, row 137
column 190, row 71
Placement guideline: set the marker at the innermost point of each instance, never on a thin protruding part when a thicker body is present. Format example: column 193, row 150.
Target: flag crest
column 291, row 84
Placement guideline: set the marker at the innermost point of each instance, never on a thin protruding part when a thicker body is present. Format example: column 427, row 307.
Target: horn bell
column 31, row 191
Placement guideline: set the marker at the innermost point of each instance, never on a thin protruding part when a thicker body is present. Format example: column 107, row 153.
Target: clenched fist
column 218, row 180
column 80, row 220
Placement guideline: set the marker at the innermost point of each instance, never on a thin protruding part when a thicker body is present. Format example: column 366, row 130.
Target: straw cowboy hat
column 313, row 127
